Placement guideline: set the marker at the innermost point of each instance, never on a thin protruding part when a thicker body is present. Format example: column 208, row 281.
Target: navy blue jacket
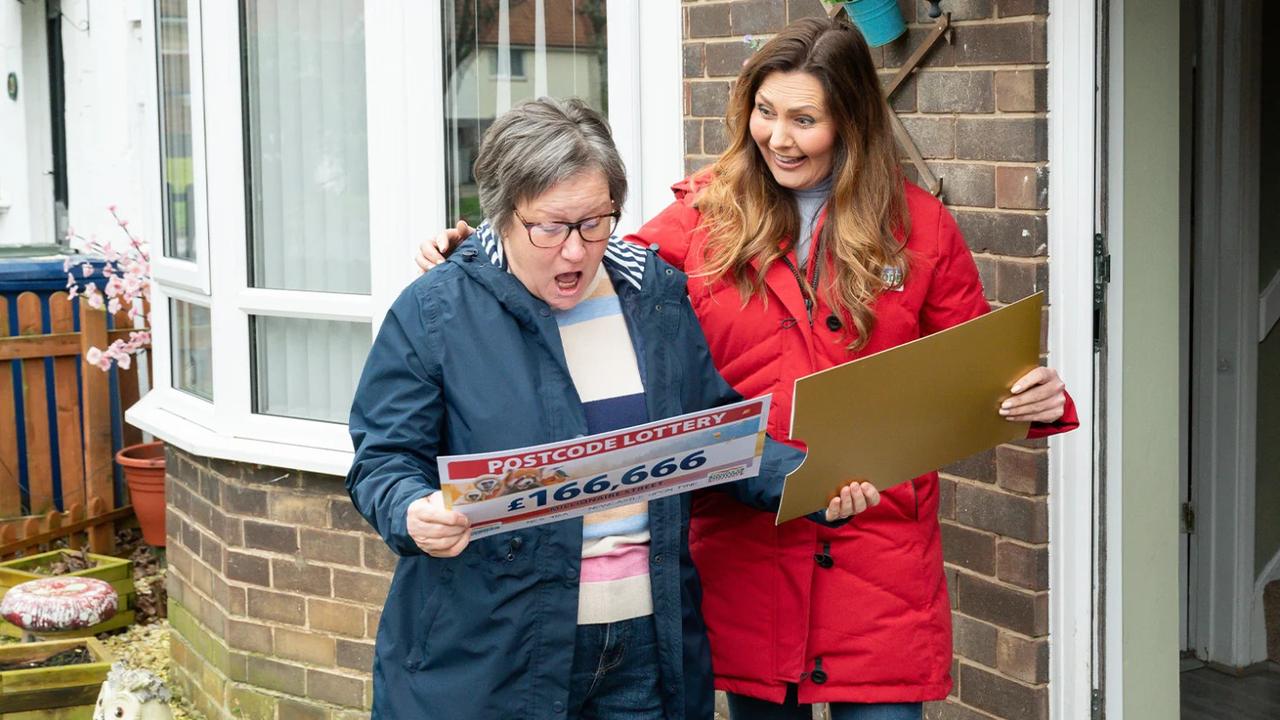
column 490, row 633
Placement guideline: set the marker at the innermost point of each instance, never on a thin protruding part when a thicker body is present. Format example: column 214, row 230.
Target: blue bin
column 879, row 20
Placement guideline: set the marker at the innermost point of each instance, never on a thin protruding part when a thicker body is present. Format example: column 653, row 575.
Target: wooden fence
column 61, row 420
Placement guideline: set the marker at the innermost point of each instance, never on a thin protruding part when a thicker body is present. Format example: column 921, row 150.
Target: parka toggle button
column 818, row 676
column 824, row 559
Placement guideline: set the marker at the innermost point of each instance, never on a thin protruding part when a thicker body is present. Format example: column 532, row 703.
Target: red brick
column 715, row 137
column 1007, row 607
column 725, row 59
column 355, row 655
column 362, row 587
column 377, row 556
column 244, row 501
column 709, row 20
column 995, row 44
column 1014, row 516
column 307, row 647
column 344, row 516
column 966, row 184
column 1022, row 471
column 336, row 617
column 935, row 137
column 1022, row 188
column 1018, row 279
column 979, row 466
column 1023, row 565
column 797, row 9
column 280, row 607
column 970, row 549
column 248, row 636
column 1001, row 233
column 270, row 536
column 955, row 91
column 1022, row 91
column 272, row 675
column 974, row 639
column 952, row 709
column 708, row 98
column 298, row 575
column 757, row 16
column 694, row 60
column 246, row 568
column 1001, row 696
column 692, row 137
column 941, row 54
column 1023, row 658
column 295, row 710
column 334, row 547
column 337, row 689
column 1011, row 8
column 1018, row 139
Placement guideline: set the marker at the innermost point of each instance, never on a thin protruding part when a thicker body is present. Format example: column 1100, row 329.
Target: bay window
column 305, row 147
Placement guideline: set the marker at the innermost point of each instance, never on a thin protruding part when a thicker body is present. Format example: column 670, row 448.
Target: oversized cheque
column 511, row 489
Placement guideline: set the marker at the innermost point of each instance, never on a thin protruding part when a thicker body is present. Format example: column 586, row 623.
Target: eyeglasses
column 549, row 235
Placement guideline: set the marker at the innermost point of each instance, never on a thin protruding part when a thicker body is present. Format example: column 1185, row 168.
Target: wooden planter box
column 109, row 569
column 68, row 692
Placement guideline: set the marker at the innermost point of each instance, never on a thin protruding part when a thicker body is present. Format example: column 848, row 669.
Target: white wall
column 106, row 105
column 25, row 186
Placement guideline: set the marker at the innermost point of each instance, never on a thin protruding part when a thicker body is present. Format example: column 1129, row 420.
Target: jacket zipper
column 809, row 290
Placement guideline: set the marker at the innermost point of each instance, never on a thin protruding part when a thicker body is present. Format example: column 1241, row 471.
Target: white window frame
column 404, row 88
column 177, row 272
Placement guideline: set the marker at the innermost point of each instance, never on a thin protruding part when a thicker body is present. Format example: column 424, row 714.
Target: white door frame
column 1225, row 331
column 1072, row 203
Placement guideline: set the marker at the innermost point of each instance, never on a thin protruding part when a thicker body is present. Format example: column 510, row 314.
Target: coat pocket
column 419, row 651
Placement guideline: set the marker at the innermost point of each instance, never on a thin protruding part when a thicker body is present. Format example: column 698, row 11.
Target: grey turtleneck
column 809, row 202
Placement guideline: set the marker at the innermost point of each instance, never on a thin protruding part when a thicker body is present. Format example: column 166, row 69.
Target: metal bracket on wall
column 941, row 30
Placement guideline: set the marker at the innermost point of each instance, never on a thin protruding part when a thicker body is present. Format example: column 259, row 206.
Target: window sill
column 152, row 414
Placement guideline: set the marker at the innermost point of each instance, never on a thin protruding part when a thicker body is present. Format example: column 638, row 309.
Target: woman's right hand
column 438, row 531
column 433, row 252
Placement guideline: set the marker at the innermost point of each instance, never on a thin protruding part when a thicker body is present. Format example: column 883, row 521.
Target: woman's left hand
column 1038, row 396
column 853, row 499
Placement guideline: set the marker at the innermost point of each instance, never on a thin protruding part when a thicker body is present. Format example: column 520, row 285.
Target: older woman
column 554, row 331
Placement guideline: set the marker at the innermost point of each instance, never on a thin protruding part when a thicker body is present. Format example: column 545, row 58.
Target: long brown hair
column 746, row 213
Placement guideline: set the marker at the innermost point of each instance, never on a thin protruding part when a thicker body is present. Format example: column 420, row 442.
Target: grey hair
column 539, row 143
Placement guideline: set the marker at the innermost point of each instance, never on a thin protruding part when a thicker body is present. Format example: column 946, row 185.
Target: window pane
column 499, row 52
column 175, row 129
column 192, row 349
column 308, row 152
column 307, row 368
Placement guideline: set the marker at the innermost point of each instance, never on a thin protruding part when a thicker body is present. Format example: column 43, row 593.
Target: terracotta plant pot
column 144, row 472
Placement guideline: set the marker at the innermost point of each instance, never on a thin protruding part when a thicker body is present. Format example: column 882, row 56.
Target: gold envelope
column 909, row 410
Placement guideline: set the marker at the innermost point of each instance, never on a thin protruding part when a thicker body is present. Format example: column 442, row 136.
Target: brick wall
column 272, row 619
column 977, row 111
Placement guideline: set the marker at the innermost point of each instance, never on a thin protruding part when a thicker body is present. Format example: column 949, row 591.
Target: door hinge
column 1095, row 704
column 1101, row 276
column 1188, row 519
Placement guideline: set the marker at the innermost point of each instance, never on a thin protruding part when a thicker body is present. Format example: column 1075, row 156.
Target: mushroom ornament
column 130, row 694
column 58, row 604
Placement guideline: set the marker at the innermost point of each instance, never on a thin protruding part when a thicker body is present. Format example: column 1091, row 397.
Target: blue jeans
column 745, row 708
column 615, row 672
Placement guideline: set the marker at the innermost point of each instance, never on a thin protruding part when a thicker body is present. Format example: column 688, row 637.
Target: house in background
column 288, row 157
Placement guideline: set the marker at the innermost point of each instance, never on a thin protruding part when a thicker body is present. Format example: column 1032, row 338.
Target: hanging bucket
column 879, row 20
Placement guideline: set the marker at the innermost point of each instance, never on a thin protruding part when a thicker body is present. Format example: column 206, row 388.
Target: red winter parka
column 854, row 614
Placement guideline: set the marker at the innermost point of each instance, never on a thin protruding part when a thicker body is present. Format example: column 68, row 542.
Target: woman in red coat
column 797, row 614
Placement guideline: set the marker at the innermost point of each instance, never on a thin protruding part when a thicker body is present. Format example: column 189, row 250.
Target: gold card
column 901, row 413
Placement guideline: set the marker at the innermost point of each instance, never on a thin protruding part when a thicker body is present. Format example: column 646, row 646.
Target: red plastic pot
column 143, row 467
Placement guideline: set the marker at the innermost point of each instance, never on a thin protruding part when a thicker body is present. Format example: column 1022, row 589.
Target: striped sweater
column 614, row 582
